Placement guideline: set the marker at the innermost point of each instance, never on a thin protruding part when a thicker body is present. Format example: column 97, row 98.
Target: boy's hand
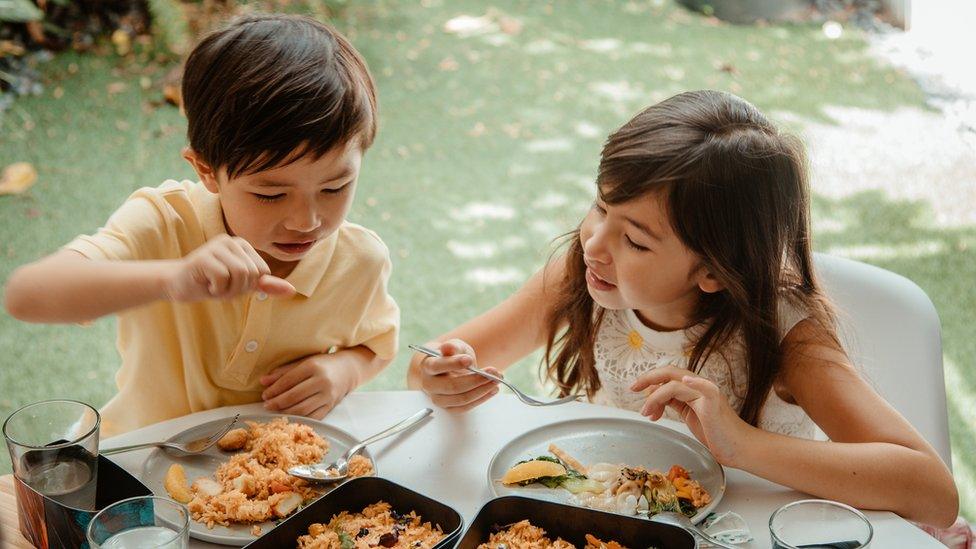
column 224, row 267
column 449, row 383
column 309, row 386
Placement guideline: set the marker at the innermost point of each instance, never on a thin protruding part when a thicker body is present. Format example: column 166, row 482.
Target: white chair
column 891, row 330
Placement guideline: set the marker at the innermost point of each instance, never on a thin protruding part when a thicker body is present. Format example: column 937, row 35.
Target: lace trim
column 622, row 354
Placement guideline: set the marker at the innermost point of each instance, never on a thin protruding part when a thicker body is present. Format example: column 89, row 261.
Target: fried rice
column 254, row 485
column 378, row 525
column 525, row 535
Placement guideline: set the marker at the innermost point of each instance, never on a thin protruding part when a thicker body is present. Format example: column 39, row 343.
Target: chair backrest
column 890, row 329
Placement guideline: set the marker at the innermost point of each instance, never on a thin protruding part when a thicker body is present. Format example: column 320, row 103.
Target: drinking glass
column 53, row 448
column 141, row 523
column 819, row 524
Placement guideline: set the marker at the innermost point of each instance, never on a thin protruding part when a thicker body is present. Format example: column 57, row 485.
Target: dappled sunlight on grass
column 483, row 276
column 481, row 210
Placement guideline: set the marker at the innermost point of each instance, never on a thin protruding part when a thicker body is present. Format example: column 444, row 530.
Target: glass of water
column 141, row 523
column 819, row 524
column 54, row 450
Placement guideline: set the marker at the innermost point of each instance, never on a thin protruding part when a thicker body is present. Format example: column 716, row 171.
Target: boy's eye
column 336, row 191
column 268, row 197
column 635, row 245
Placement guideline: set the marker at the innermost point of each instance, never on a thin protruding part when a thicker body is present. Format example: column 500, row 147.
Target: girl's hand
column 703, row 408
column 449, row 383
column 223, row 268
column 309, row 386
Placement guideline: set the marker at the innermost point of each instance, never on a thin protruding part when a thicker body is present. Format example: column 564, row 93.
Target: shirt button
column 251, row 346
column 261, row 296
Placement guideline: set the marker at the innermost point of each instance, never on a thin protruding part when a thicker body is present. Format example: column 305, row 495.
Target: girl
column 688, row 291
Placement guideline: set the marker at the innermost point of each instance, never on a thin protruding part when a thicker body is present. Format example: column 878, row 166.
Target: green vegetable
column 345, row 540
column 577, row 485
column 540, row 458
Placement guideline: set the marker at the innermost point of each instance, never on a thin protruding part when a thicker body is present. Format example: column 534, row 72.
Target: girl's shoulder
column 790, row 312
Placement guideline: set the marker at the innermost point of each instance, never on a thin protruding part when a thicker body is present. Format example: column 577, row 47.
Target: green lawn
column 487, row 149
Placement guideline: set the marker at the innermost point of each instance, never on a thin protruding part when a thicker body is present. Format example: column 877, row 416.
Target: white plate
column 609, row 440
column 204, row 465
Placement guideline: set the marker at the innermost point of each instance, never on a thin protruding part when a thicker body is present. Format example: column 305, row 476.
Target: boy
column 249, row 285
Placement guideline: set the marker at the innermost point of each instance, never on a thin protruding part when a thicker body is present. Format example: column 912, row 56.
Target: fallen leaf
column 122, row 41
column 172, row 96
column 728, row 67
column 36, row 31
column 510, row 25
column 12, row 48
column 33, row 213
column 116, row 87
column 448, row 64
column 17, row 178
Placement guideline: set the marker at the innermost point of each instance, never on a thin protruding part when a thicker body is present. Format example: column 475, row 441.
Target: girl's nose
column 594, row 247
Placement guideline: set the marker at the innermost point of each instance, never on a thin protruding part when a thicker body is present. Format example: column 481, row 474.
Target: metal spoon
column 518, row 394
column 320, row 472
column 683, row 522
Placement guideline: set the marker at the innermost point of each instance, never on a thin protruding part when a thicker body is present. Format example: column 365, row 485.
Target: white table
column 447, row 457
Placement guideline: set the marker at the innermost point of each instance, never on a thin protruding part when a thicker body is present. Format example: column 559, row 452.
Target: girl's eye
column 268, row 197
column 599, row 208
column 635, row 245
column 336, row 191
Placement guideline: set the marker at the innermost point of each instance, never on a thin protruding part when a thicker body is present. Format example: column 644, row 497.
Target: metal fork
column 518, row 394
column 197, row 446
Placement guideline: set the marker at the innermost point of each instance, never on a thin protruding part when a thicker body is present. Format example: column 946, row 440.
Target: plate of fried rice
column 378, row 525
column 240, row 488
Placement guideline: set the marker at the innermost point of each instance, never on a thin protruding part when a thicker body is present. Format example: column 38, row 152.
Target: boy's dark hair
column 267, row 85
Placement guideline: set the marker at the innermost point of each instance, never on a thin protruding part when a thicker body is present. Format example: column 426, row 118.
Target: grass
column 487, row 151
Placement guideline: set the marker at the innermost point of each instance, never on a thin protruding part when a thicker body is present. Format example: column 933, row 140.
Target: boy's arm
column 68, row 287
column 363, row 364
column 313, row 385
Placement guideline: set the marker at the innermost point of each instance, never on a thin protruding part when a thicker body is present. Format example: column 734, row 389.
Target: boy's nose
column 304, row 220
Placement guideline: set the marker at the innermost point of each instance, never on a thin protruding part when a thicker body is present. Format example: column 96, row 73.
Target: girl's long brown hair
column 736, row 194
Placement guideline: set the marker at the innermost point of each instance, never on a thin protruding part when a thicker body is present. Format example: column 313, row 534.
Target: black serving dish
column 355, row 495
column 572, row 523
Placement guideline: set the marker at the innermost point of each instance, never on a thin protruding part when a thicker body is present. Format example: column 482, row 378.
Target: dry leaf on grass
column 17, row 178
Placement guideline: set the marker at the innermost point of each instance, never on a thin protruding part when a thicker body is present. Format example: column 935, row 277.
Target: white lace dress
column 626, row 349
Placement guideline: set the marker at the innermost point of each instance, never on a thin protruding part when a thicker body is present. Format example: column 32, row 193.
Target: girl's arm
column 68, row 287
column 875, row 459
column 499, row 337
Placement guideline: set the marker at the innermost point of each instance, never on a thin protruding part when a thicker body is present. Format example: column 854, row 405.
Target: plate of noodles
column 618, row 465
column 240, row 488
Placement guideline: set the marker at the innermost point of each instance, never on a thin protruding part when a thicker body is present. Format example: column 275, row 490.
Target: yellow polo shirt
column 179, row 358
